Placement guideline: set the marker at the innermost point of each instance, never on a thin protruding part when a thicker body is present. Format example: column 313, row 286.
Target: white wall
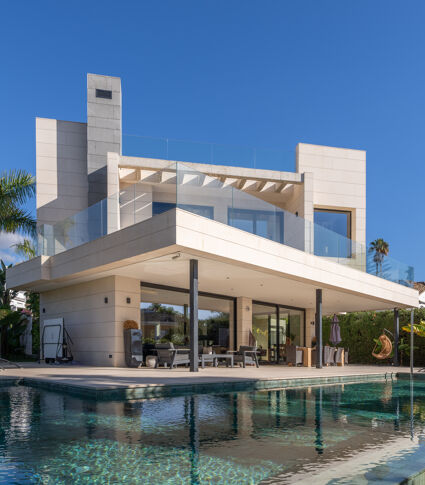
column 95, row 326
column 61, row 169
column 339, row 181
column 103, row 132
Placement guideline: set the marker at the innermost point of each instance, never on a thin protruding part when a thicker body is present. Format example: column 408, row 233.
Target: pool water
column 352, row 433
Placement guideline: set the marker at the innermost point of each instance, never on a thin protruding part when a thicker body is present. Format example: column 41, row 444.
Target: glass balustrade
column 179, row 185
column 213, row 153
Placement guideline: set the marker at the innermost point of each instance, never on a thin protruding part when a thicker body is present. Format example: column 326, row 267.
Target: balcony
column 178, row 185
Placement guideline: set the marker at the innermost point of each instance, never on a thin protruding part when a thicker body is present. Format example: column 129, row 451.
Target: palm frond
column 16, row 187
column 25, row 248
column 17, row 220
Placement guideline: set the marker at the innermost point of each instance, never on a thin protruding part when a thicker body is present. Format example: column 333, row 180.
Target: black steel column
column 412, row 336
column 277, row 334
column 318, row 330
column 396, row 336
column 193, row 315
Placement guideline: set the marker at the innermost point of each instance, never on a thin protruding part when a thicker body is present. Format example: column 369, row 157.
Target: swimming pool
column 351, row 433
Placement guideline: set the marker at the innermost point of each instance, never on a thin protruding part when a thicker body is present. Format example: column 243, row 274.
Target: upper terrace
column 258, row 201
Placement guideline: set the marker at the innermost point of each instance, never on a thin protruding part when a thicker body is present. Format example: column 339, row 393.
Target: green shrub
column 360, row 329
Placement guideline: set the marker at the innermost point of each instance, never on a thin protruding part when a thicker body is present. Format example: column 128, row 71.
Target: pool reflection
column 233, row 437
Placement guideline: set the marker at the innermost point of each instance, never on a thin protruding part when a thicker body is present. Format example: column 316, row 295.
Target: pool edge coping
column 156, row 391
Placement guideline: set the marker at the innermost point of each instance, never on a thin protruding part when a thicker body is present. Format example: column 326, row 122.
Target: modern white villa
column 221, row 253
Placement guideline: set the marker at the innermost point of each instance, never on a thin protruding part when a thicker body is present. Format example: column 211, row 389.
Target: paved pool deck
column 127, row 383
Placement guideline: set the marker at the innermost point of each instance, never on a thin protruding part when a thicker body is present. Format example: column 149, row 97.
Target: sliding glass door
column 165, row 317
column 274, row 327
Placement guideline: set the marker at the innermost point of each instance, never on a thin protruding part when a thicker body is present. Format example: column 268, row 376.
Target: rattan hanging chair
column 386, row 347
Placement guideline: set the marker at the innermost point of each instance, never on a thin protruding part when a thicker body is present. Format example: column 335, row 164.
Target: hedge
column 358, row 331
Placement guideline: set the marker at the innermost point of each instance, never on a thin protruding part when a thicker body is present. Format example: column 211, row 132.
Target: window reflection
column 165, row 318
column 273, row 333
column 332, row 233
column 266, row 224
column 200, row 210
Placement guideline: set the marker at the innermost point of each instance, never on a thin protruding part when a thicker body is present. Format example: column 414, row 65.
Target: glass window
column 266, row 224
column 332, row 233
column 165, row 318
column 264, row 330
column 200, row 210
column 294, row 325
column 336, row 221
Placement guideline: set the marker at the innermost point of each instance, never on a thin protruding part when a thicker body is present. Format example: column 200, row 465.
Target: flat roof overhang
column 232, row 262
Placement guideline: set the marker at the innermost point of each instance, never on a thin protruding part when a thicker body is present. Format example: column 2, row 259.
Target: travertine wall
column 310, row 315
column 243, row 320
column 339, row 181
column 103, row 132
column 95, row 326
column 61, row 169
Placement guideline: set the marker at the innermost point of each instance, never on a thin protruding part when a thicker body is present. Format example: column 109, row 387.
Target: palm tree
column 5, row 294
column 25, row 249
column 380, row 248
column 16, row 188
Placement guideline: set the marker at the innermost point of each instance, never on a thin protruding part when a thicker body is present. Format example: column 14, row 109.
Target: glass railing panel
column 212, row 153
column 145, row 146
column 389, row 268
column 202, row 194
column 211, row 198
column 208, row 196
column 267, row 220
column 229, row 155
column 82, row 227
column 127, row 206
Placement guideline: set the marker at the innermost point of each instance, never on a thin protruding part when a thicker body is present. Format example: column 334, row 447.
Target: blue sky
column 267, row 73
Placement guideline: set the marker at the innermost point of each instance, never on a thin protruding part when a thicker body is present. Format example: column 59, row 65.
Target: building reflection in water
column 288, row 427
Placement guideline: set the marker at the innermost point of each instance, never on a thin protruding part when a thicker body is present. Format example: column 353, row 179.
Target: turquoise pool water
column 352, row 433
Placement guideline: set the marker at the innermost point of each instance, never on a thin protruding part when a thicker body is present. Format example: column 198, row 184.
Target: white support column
column 244, row 320
column 309, row 326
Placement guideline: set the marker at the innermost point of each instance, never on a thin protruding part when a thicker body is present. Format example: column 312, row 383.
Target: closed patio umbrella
column 335, row 337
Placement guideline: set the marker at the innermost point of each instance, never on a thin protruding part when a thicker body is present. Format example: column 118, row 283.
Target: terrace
column 251, row 200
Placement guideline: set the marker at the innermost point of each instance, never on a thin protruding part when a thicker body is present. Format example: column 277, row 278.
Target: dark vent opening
column 103, row 93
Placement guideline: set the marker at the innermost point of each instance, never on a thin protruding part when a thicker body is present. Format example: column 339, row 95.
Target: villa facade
column 244, row 254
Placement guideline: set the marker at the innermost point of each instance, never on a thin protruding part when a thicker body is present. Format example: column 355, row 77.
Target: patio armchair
column 329, row 355
column 170, row 356
column 206, row 354
column 294, row 355
column 338, row 356
column 247, row 355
